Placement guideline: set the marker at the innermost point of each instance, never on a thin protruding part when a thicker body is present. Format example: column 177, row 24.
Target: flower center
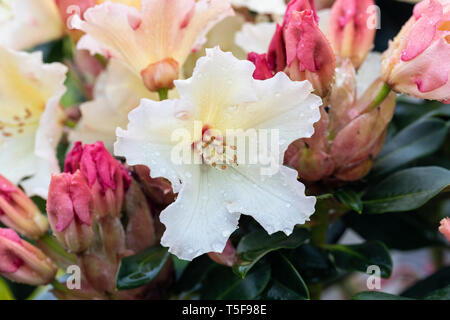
column 214, row 149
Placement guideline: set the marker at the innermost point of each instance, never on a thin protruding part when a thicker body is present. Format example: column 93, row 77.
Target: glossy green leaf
column 375, row 295
column 431, row 284
column 415, row 141
column 406, row 190
column 359, row 257
column 222, row 284
column 5, row 291
column 142, row 268
column 194, row 274
column 351, row 199
column 313, row 263
column 441, row 294
column 257, row 244
column 398, row 230
column 286, row 282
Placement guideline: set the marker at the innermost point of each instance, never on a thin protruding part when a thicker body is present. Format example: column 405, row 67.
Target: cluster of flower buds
column 445, row 228
column 351, row 131
column 85, row 205
column 417, row 61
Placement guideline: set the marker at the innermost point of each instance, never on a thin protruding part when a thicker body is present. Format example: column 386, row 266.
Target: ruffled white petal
column 369, row 71
column 262, row 6
column 117, row 92
column 29, row 23
column 255, row 37
column 219, row 81
column 198, row 221
column 148, row 138
column 277, row 202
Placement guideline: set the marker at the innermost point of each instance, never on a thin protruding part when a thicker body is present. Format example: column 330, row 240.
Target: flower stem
column 163, row 94
column 381, row 96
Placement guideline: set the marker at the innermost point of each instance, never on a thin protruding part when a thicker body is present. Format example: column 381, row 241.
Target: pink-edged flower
column 351, row 29
column 300, row 49
column 416, row 62
column 106, row 177
column 18, row 211
column 23, row 262
column 155, row 41
column 445, row 228
column 70, row 210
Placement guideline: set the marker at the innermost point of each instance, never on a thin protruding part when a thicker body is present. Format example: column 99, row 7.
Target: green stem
column 163, row 94
column 381, row 96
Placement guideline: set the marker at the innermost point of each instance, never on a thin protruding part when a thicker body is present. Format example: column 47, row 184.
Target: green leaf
column 5, row 292
column 398, row 230
column 406, row 190
column 142, row 268
column 313, row 263
column 360, row 257
column 375, row 295
column 257, row 244
column 222, row 284
column 427, row 286
column 194, row 274
column 351, row 199
column 286, row 282
column 420, row 139
column 441, row 294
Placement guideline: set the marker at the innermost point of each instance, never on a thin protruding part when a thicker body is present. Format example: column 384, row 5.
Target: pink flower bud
column 22, row 262
column 69, row 208
column 276, row 55
column 17, row 211
column 309, row 55
column 445, row 228
column 228, row 256
column 107, row 177
column 416, row 62
column 160, row 75
column 350, row 29
column 263, row 70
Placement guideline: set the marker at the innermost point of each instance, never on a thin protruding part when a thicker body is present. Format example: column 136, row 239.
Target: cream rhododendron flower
column 255, row 37
column 262, row 6
column 31, row 118
column 27, row 23
column 116, row 92
column 215, row 187
column 155, row 41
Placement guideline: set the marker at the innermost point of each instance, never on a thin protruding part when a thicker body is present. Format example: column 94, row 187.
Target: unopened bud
column 107, row 178
column 18, row 211
column 69, row 208
column 416, row 62
column 308, row 52
column 262, row 70
column 160, row 75
column 22, row 262
column 351, row 29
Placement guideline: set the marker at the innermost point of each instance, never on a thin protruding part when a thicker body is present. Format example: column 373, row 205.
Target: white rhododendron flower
column 31, row 119
column 116, row 92
column 154, row 40
column 28, row 23
column 255, row 37
column 262, row 6
column 215, row 185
